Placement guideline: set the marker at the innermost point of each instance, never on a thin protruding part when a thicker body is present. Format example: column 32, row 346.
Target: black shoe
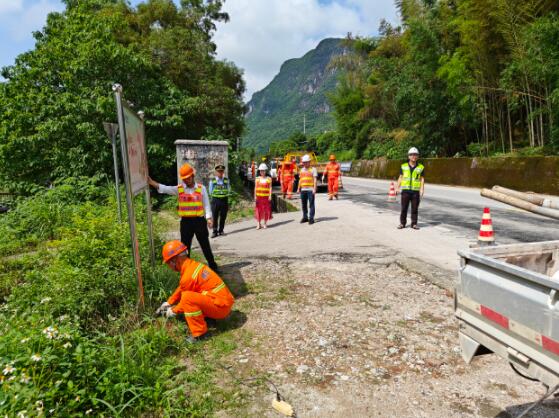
column 212, row 323
column 311, row 221
column 214, row 234
column 221, row 233
column 304, row 220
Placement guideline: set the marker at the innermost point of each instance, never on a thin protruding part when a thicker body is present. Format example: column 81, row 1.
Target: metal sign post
column 112, row 129
column 148, row 209
column 117, row 88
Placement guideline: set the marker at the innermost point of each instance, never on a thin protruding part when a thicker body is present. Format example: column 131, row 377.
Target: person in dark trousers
column 194, row 210
column 307, row 188
column 412, row 184
column 219, row 189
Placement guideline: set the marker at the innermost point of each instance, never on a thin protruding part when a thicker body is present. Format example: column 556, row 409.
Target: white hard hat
column 263, row 167
column 413, row 150
column 306, row 158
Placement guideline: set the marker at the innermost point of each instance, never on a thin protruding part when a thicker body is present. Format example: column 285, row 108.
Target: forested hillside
column 298, row 92
column 458, row 77
column 57, row 95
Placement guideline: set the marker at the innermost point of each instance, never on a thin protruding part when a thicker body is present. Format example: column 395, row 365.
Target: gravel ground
column 353, row 335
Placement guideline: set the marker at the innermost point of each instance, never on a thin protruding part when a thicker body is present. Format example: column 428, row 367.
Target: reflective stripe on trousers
column 197, row 306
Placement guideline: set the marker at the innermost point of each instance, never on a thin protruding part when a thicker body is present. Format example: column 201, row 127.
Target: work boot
column 311, row 221
column 214, row 234
column 329, row 197
column 336, row 196
column 221, row 233
column 304, row 220
column 195, row 340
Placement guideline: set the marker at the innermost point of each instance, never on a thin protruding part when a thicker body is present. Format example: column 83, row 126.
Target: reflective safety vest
column 332, row 169
column 263, row 187
column 191, row 205
column 411, row 180
column 220, row 190
column 306, row 179
column 196, row 277
column 287, row 170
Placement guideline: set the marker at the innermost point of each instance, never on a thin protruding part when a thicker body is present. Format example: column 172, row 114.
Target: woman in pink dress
column 263, row 197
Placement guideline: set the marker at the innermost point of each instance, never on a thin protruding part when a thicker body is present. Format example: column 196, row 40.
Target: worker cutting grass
column 201, row 292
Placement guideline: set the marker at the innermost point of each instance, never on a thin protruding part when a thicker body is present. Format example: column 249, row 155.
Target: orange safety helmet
column 186, row 171
column 332, row 157
column 172, row 249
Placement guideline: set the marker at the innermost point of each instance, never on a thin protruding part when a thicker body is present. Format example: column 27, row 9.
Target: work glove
column 169, row 313
column 162, row 309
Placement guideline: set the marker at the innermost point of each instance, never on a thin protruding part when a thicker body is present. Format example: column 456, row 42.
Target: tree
column 56, row 96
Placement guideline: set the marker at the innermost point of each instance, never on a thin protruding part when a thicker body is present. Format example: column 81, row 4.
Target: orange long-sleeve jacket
column 199, row 278
column 332, row 169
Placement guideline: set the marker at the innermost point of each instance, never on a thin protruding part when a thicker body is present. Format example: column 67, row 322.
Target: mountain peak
column 300, row 88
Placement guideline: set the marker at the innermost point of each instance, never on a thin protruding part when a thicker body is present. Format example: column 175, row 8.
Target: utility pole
column 304, row 124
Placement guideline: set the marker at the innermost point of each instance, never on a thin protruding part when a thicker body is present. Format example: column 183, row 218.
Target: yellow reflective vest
column 411, row 180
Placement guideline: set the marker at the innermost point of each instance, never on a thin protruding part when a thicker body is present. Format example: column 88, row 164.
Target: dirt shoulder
column 357, row 336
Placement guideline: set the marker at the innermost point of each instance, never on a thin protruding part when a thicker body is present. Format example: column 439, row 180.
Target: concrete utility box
column 203, row 156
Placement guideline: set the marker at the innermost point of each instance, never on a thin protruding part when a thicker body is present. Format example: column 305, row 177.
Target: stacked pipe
column 528, row 201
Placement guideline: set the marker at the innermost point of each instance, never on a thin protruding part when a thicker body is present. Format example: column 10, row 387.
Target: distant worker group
column 201, row 293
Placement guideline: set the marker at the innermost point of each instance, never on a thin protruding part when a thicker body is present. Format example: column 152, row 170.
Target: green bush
column 73, row 341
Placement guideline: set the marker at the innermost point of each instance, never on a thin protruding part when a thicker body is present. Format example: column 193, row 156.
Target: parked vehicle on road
column 507, row 303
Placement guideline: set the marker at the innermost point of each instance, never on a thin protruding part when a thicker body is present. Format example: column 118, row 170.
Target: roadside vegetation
column 74, row 342
column 56, row 97
column 73, row 339
column 456, row 78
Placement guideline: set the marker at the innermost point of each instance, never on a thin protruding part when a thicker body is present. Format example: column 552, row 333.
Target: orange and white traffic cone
column 392, row 193
column 486, row 235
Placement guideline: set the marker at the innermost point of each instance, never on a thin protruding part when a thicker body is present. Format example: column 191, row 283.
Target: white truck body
column 507, row 303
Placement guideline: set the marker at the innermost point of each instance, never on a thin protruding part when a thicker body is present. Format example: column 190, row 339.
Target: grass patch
column 73, row 341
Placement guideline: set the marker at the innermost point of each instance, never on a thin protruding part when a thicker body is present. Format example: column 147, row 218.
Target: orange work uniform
column 332, row 170
column 200, row 293
column 287, row 177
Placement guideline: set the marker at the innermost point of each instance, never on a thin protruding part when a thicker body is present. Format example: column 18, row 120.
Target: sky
column 259, row 37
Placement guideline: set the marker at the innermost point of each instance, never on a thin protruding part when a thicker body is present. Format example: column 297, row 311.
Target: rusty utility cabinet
column 203, row 156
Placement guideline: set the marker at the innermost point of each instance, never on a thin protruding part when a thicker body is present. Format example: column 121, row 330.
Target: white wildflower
column 77, row 399
column 50, row 332
column 63, row 318
column 89, row 411
column 67, row 345
column 21, row 414
column 9, row 369
column 11, row 378
column 25, row 379
column 45, row 300
column 51, row 411
column 36, row 357
column 24, row 340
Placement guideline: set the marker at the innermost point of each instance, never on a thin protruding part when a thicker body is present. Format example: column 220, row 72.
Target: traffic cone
column 486, row 235
column 392, row 193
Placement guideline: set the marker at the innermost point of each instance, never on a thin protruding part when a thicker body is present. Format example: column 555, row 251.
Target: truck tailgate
column 512, row 306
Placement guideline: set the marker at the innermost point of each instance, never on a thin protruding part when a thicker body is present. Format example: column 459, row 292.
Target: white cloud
column 32, row 18
column 263, row 34
column 10, row 6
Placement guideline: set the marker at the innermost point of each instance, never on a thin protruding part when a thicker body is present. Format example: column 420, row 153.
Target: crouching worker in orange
column 200, row 294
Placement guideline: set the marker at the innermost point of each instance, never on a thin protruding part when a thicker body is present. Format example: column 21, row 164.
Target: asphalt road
column 457, row 209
